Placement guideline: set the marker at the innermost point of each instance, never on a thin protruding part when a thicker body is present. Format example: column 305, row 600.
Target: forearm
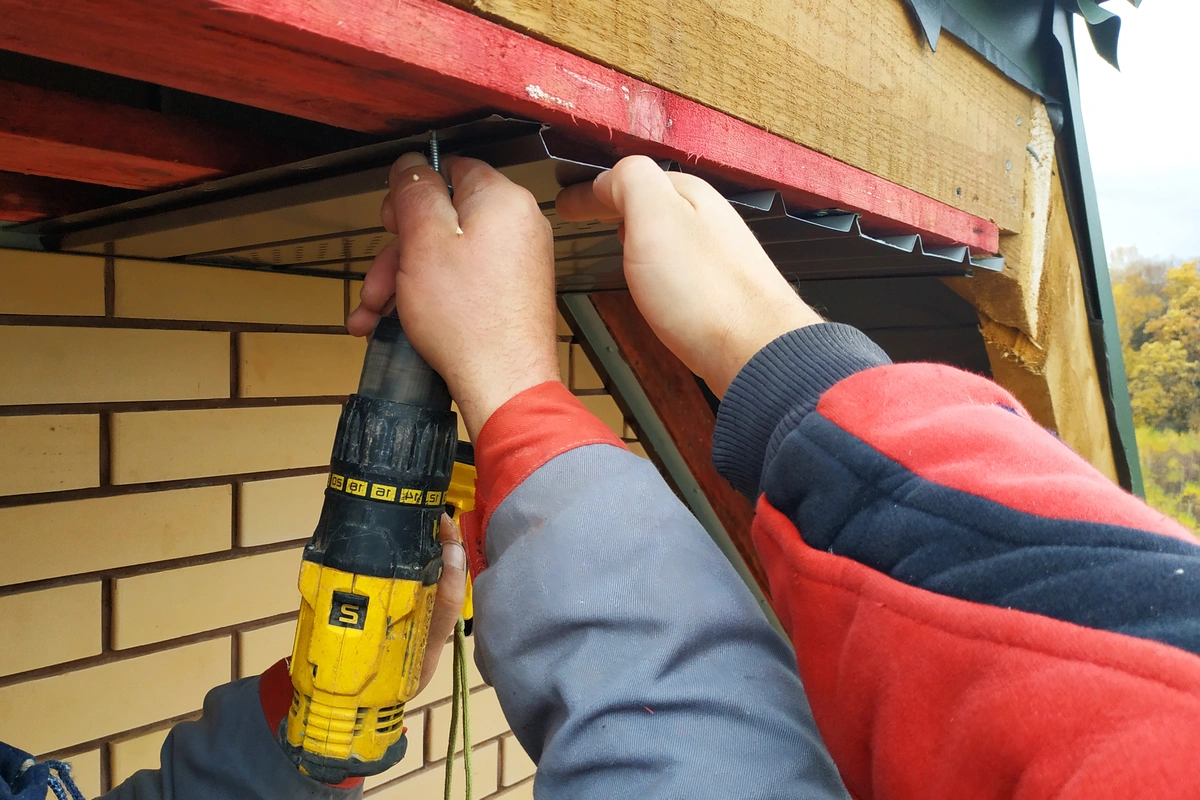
column 626, row 653
column 954, row 578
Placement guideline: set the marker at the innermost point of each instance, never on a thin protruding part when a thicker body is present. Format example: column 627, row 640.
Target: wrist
column 752, row 338
column 477, row 404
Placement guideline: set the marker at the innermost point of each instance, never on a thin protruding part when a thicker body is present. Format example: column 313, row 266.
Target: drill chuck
column 369, row 573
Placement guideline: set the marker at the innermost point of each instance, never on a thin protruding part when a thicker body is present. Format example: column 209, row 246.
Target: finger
column 695, row 190
column 378, row 289
column 473, row 179
column 406, row 162
column 418, row 200
column 468, row 175
column 579, row 203
column 636, row 187
column 452, row 588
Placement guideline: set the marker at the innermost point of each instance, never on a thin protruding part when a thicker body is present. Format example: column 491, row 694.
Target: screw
column 435, row 159
column 1008, row 165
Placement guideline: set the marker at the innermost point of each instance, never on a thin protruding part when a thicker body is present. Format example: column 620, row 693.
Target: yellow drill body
column 369, row 576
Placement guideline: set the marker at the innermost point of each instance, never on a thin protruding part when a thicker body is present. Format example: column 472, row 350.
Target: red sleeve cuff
column 533, row 427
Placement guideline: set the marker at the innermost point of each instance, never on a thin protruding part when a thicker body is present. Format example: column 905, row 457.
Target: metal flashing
column 1084, row 213
column 320, row 217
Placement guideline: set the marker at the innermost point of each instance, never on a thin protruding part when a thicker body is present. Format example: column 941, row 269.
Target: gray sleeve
column 228, row 753
column 627, row 655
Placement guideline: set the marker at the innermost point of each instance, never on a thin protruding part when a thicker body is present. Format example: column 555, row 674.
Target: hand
column 451, row 591
column 473, row 280
column 696, row 272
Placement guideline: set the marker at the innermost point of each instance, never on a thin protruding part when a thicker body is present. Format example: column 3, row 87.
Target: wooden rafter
column 377, row 66
column 59, row 135
column 28, row 197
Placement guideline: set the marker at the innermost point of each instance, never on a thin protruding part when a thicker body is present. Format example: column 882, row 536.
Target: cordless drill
column 369, row 574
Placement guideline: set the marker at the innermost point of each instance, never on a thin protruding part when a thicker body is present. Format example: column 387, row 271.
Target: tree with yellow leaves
column 1158, row 313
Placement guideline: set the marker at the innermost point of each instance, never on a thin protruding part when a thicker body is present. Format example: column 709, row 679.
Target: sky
column 1143, row 128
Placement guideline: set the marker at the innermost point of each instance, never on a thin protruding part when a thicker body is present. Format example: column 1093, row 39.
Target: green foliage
column 1163, row 385
column 1158, row 313
column 1171, row 463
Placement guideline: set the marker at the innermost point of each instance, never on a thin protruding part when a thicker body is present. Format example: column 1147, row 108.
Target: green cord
column 460, row 699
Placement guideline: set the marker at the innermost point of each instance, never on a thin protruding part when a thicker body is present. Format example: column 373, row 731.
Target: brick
column 155, row 290
column 442, row 682
column 49, row 626
column 280, row 509
column 515, row 763
column 430, row 783
column 103, row 365
column 299, row 364
column 166, row 445
column 56, row 539
column 49, row 453
column 584, row 375
column 164, row 605
column 487, row 721
column 104, row 700
column 564, row 362
column 523, row 791
column 606, row 409
column 51, row 283
column 412, row 761
column 85, row 771
column 258, row 649
column 127, row 756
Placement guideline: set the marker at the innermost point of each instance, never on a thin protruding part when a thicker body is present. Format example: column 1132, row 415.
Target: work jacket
column 973, row 610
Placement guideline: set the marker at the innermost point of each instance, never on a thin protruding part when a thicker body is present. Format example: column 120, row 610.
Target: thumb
column 635, row 187
column 452, row 588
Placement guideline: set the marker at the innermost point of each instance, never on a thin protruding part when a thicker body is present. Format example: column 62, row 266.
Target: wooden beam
column 852, row 79
column 672, row 390
column 24, row 198
column 60, row 135
column 377, row 65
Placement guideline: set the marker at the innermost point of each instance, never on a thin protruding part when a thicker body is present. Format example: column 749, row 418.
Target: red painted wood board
column 24, row 198
column 60, row 135
column 380, row 65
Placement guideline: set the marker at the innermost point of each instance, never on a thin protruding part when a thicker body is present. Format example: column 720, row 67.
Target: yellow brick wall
column 164, row 441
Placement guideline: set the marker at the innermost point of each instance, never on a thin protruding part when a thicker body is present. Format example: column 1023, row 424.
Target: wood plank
column 24, row 198
column 377, row 66
column 677, row 399
column 850, row 79
column 59, row 135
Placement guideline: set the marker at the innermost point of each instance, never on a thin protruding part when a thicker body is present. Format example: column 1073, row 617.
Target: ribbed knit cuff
column 777, row 388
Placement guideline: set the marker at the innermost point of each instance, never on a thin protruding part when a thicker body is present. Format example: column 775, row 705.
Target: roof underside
column 830, row 221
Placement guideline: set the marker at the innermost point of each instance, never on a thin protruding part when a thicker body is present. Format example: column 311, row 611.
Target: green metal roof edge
column 1106, row 340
